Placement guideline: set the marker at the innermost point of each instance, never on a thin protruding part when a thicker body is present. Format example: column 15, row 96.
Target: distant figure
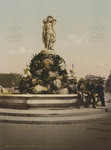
column 13, row 86
column 48, row 34
column 1, row 90
column 100, row 92
column 91, row 92
column 81, row 91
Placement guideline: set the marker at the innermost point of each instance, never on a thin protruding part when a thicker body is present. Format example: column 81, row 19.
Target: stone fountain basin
column 35, row 101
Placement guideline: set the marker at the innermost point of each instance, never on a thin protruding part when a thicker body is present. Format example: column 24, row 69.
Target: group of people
column 91, row 92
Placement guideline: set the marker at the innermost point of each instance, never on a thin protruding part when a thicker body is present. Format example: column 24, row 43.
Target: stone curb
column 65, row 120
column 25, row 117
column 54, row 113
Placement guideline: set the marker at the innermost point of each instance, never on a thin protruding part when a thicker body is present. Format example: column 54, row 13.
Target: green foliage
column 25, row 85
column 6, row 80
column 37, row 64
column 73, row 81
column 40, row 71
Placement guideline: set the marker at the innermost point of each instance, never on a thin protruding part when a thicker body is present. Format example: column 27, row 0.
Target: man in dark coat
column 100, row 91
column 91, row 92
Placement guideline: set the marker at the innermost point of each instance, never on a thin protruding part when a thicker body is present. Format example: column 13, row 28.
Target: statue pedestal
column 48, row 52
column 33, row 101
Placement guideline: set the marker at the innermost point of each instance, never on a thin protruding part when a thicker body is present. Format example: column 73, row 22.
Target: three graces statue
column 48, row 34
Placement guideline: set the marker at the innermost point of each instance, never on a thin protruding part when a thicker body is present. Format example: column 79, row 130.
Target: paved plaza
column 89, row 135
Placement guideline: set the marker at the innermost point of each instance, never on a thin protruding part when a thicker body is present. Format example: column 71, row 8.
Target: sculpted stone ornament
column 47, row 73
column 48, row 34
column 27, row 72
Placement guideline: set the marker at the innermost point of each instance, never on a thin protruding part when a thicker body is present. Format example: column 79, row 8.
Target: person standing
column 91, row 92
column 81, row 91
column 100, row 92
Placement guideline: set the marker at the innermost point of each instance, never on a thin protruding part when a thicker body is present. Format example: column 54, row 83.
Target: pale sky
column 83, row 32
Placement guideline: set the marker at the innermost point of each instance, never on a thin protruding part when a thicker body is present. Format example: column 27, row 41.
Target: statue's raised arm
column 48, row 34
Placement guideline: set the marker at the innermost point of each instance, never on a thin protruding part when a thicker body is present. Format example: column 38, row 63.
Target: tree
column 6, row 80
